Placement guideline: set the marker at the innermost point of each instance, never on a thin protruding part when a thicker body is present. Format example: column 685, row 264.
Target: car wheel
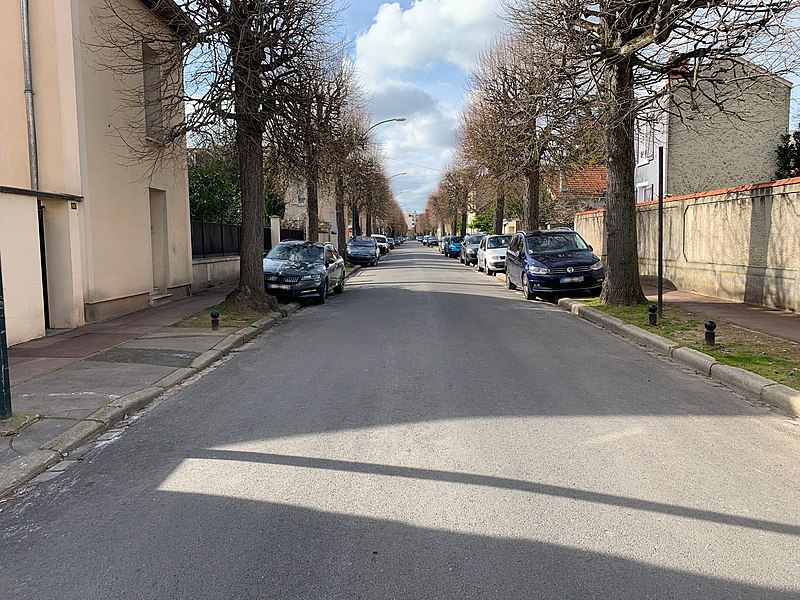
column 480, row 268
column 340, row 286
column 488, row 270
column 529, row 295
column 509, row 284
column 322, row 292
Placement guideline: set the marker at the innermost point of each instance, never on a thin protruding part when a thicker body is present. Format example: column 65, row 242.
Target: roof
column 582, row 182
column 172, row 15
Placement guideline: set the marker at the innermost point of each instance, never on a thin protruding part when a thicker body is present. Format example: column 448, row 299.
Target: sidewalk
column 777, row 323
column 75, row 384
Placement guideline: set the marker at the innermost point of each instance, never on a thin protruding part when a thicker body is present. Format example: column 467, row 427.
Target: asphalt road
column 427, row 434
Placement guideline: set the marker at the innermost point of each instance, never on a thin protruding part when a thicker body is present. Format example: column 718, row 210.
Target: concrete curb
column 766, row 390
column 29, row 466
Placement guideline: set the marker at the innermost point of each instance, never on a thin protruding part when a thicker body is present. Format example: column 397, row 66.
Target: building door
column 158, row 241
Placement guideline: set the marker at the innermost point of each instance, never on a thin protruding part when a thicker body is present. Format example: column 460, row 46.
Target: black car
column 304, row 269
column 363, row 251
column 552, row 262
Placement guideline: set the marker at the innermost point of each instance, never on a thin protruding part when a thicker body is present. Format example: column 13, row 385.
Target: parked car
column 304, row 269
column 391, row 242
column 492, row 253
column 425, row 240
column 552, row 262
column 363, row 251
column 443, row 242
column 433, row 241
column 453, row 246
column 469, row 248
column 383, row 243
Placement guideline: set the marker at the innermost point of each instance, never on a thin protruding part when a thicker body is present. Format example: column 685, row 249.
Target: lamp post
column 354, row 211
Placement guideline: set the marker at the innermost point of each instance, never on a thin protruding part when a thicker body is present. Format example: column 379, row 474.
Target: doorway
column 158, row 241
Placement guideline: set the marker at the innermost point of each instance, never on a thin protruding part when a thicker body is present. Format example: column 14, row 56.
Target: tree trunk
column 499, row 210
column 532, row 176
column 455, row 223
column 251, row 175
column 463, row 223
column 369, row 223
column 312, row 203
column 356, row 218
column 622, row 285
column 341, row 221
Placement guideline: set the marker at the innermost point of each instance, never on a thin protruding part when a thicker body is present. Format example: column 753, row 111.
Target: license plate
column 279, row 286
column 571, row 279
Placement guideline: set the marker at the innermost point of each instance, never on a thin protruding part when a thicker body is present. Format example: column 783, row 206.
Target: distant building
column 706, row 148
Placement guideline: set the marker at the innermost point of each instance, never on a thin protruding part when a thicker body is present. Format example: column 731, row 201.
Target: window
column 153, row 101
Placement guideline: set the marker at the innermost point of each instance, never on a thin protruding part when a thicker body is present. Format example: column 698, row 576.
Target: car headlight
column 311, row 278
column 538, row 270
column 596, row 266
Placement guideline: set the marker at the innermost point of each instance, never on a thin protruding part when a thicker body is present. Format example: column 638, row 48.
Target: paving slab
column 147, row 355
column 38, row 434
column 198, row 344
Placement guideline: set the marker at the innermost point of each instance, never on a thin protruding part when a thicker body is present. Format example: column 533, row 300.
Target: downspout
column 33, row 151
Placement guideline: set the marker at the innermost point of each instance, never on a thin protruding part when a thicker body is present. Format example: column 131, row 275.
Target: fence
column 220, row 239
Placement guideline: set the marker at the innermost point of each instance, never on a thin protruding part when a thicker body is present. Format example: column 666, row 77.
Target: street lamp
column 398, row 119
column 354, row 212
column 396, row 175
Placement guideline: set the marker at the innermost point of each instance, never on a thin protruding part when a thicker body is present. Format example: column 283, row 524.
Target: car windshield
column 368, row 242
column 455, row 240
column 296, row 252
column 474, row 239
column 539, row 243
column 501, row 241
column 380, row 238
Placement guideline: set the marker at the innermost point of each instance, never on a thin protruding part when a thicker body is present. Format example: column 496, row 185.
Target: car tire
column 339, row 289
column 529, row 295
column 509, row 284
column 480, row 269
column 489, row 272
column 322, row 293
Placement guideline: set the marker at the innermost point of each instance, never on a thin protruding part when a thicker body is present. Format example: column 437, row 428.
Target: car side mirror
column 590, row 248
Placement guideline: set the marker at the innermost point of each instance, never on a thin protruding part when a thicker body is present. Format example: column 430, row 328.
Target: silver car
column 492, row 253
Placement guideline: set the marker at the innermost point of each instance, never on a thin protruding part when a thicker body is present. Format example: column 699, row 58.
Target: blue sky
column 412, row 59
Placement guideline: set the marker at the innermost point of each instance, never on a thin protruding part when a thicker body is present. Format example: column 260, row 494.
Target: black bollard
column 214, row 320
column 710, row 335
column 652, row 316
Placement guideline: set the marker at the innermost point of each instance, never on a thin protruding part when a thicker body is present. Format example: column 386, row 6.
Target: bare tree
column 635, row 52
column 232, row 61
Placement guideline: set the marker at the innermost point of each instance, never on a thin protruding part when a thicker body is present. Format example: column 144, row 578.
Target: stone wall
column 739, row 244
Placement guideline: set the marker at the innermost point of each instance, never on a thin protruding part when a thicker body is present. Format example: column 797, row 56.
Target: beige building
column 296, row 212
column 99, row 234
column 706, row 147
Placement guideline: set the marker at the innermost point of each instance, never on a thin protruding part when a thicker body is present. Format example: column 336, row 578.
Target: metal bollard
column 652, row 316
column 710, row 335
column 214, row 320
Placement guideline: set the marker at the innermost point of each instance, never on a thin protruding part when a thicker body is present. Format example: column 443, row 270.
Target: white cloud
column 412, row 62
column 431, row 32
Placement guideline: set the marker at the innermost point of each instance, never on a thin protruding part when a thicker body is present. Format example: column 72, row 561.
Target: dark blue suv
column 552, row 262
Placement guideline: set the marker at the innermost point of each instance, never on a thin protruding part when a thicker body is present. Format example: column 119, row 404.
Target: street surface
column 427, row 434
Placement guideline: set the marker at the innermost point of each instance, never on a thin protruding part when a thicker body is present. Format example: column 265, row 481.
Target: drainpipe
column 33, row 153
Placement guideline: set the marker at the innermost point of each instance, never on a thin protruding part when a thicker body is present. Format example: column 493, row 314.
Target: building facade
column 87, row 232
column 716, row 137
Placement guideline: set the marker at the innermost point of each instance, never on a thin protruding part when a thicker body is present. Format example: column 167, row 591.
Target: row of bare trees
column 564, row 86
column 271, row 74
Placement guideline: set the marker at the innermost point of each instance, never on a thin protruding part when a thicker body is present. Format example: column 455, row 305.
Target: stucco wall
column 118, row 257
column 712, row 149
column 210, row 272
column 22, row 275
column 738, row 244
